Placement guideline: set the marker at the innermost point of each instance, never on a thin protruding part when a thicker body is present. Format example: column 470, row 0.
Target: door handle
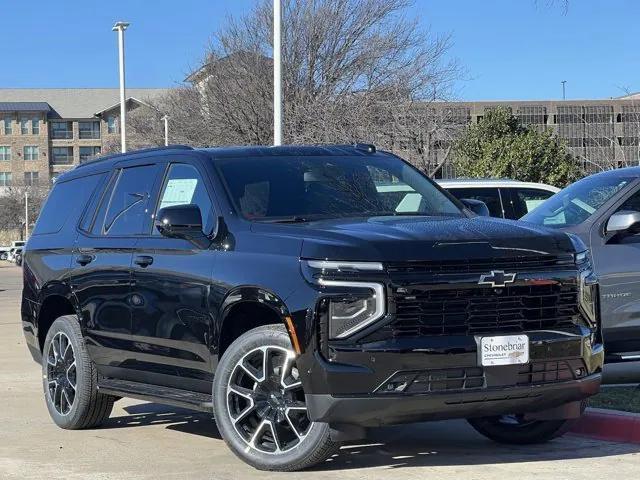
column 143, row 261
column 84, row 259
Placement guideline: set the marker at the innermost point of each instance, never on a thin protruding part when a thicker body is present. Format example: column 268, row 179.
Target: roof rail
column 133, row 152
column 365, row 147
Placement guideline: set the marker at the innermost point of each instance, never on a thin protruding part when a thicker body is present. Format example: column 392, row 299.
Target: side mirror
column 626, row 221
column 182, row 221
column 476, row 206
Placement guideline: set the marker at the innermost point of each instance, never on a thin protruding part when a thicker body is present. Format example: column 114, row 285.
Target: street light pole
column 563, row 82
column 120, row 27
column 166, row 130
column 26, row 215
column 277, row 72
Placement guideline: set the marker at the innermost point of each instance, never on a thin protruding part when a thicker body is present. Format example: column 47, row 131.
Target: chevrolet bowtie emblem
column 497, row 279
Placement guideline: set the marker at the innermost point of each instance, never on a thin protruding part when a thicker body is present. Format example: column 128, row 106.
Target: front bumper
column 372, row 411
column 363, row 386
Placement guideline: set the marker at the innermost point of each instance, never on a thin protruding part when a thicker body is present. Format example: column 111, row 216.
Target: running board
column 157, row 394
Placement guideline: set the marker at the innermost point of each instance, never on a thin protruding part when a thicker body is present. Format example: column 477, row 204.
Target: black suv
column 280, row 289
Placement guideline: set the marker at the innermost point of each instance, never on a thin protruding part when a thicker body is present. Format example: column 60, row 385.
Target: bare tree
column 353, row 70
column 12, row 207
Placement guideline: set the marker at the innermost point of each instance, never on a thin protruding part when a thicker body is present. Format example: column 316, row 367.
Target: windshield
column 576, row 203
column 305, row 188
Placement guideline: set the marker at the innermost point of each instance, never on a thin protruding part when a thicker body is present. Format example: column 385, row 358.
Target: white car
column 11, row 256
column 510, row 199
column 4, row 251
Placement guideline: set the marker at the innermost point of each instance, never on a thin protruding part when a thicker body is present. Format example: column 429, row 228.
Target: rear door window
column 66, row 201
column 490, row 196
column 520, row 201
column 124, row 212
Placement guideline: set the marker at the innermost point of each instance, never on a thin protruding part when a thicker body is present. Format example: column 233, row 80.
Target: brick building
column 44, row 132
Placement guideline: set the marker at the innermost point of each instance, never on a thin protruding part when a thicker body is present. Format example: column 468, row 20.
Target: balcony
column 62, row 134
column 62, row 156
column 89, row 130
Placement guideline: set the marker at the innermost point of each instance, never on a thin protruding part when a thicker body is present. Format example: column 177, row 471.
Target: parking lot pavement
column 144, row 440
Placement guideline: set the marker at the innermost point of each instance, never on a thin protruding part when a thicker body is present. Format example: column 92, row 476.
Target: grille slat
column 468, row 311
column 523, row 263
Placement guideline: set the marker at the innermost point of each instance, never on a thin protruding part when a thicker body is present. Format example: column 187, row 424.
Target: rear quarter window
column 66, row 201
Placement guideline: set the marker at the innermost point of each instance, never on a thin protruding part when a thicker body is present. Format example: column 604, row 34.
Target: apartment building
column 44, row 132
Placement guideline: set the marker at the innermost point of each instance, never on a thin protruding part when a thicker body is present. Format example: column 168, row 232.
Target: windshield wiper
column 404, row 214
column 292, row 219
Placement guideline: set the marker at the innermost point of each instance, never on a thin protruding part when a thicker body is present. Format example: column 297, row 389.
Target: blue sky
column 510, row 49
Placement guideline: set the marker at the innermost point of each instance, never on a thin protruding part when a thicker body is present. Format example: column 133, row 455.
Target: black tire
column 298, row 445
column 88, row 408
column 514, row 430
column 3, row 256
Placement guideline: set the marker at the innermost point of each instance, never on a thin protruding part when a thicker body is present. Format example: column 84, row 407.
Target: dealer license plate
column 504, row 350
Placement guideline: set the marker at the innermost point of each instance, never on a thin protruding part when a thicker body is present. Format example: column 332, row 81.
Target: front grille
column 430, row 381
column 470, row 311
column 529, row 263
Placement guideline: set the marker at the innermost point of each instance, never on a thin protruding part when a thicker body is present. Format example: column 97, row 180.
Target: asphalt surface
column 150, row 441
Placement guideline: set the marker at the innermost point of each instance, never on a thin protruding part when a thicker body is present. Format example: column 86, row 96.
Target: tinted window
column 184, row 186
column 576, row 203
column 490, row 196
column 632, row 203
column 127, row 206
column 330, row 186
column 522, row 200
column 66, row 200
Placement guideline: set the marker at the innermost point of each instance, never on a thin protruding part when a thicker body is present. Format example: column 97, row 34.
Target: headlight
column 588, row 296
column 581, row 258
column 350, row 313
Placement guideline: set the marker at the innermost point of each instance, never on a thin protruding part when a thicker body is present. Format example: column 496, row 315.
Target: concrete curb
column 610, row 425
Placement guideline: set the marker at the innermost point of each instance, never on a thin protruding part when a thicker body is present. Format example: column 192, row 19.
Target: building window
column 31, row 179
column 62, row 156
column 5, row 154
column 61, row 130
column 111, row 124
column 31, row 152
column 7, row 125
column 87, row 153
column 5, row 179
column 35, row 126
column 24, row 126
column 89, row 130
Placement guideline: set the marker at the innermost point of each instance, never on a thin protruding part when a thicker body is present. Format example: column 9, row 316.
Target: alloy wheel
column 265, row 400
column 61, row 373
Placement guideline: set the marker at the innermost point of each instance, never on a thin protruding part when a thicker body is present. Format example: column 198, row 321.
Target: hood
column 420, row 238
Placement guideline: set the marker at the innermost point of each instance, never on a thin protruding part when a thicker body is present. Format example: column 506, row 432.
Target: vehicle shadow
column 455, row 443
column 444, row 443
column 175, row 418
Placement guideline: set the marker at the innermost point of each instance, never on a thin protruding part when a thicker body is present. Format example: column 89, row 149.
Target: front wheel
column 260, row 408
column 515, row 430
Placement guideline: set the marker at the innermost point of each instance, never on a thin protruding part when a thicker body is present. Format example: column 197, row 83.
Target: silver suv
column 604, row 211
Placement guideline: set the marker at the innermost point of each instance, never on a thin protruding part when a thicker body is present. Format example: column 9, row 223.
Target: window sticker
column 179, row 191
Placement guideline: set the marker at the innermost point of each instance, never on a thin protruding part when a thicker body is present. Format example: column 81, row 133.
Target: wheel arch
column 248, row 307
column 54, row 305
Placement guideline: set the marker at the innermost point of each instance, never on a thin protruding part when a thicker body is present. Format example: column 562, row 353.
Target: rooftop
column 24, row 107
column 74, row 102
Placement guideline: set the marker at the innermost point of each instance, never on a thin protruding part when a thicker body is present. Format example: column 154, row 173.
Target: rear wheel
column 260, row 406
column 70, row 378
column 515, row 430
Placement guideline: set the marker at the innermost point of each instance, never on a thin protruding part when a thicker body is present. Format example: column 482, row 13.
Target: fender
column 250, row 294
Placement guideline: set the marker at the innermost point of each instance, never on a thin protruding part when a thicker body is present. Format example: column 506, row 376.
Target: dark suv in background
column 278, row 288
